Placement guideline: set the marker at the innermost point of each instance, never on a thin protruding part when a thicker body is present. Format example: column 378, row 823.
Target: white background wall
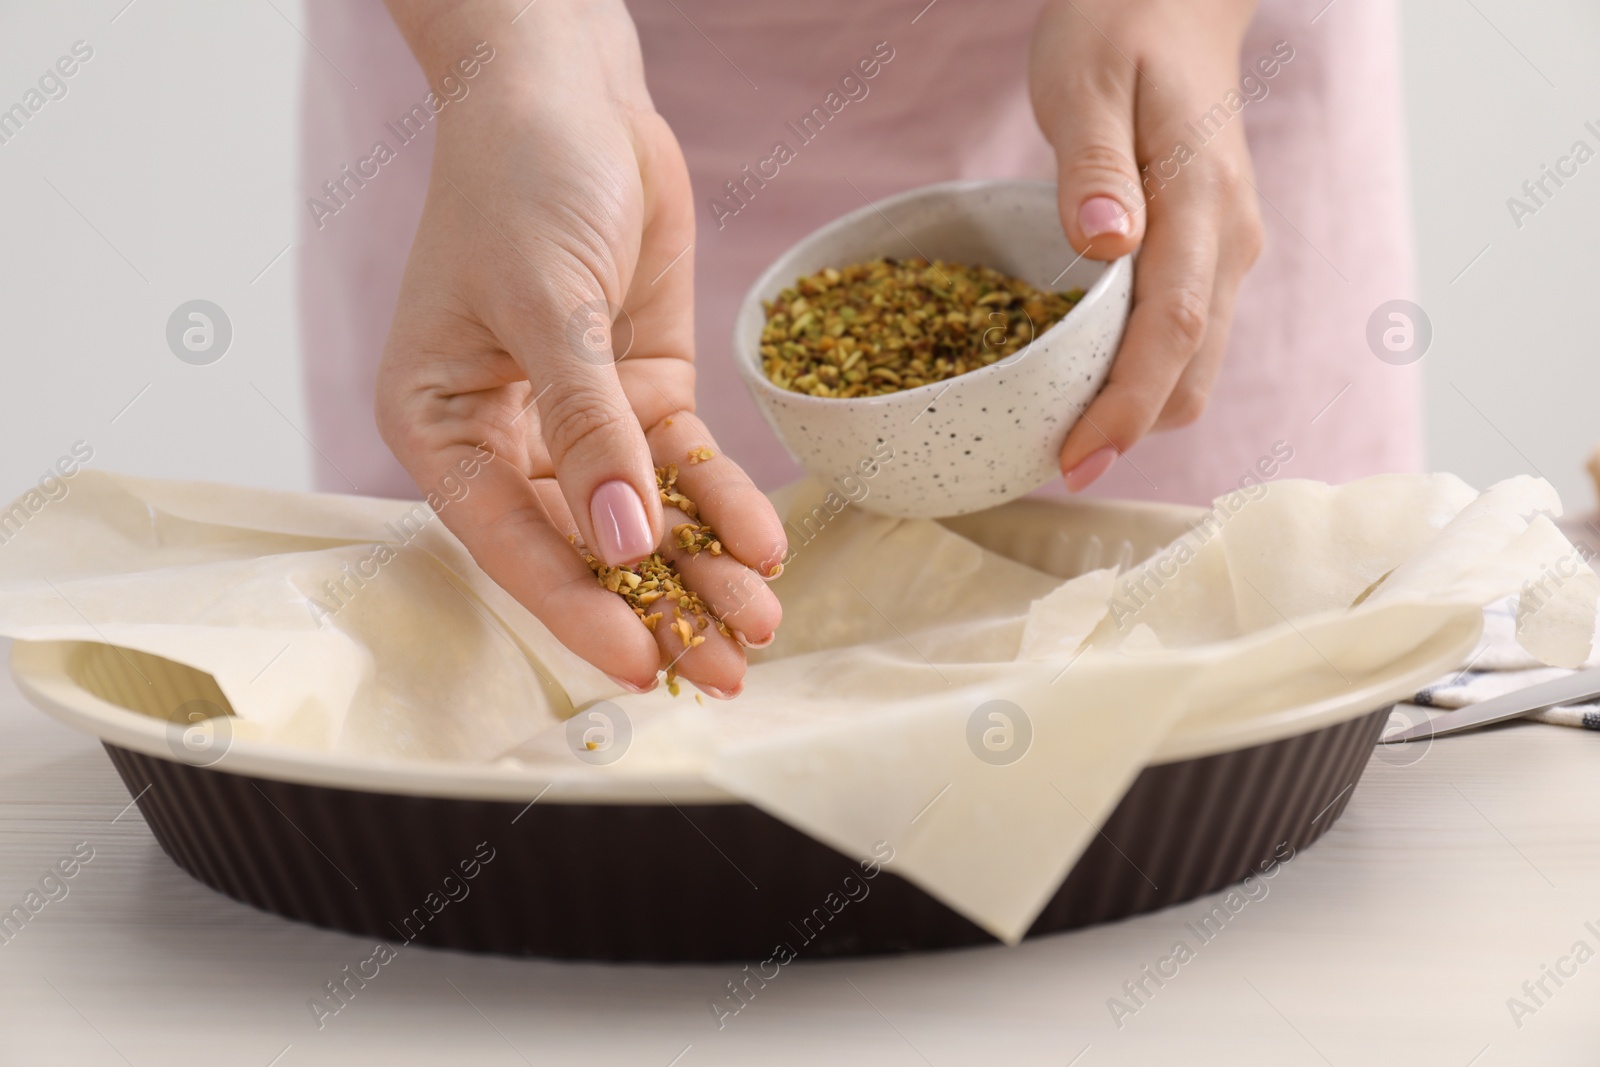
column 176, row 144
column 1513, row 382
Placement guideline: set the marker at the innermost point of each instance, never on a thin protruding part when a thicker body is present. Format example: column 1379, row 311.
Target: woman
column 563, row 189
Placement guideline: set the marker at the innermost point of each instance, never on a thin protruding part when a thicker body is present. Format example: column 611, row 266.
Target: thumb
column 597, row 448
column 1088, row 120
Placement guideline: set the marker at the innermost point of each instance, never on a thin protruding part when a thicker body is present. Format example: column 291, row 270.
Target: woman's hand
column 1115, row 85
column 546, row 317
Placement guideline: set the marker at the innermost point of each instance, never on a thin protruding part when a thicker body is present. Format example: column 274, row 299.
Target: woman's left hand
column 1117, row 87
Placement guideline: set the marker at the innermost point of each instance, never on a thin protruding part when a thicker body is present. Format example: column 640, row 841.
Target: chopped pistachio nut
column 694, row 538
column 667, row 482
column 700, row 454
column 653, row 584
column 892, row 324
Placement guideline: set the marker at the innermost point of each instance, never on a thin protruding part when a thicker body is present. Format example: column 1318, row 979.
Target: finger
column 1240, row 246
column 1083, row 97
column 728, row 500
column 549, row 309
column 596, row 445
column 1187, row 400
column 715, row 662
column 660, row 300
column 1173, row 287
column 589, row 422
column 517, row 530
column 692, row 642
column 735, row 594
column 715, row 665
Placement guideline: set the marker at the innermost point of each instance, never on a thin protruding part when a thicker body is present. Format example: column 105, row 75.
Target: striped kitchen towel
column 1499, row 665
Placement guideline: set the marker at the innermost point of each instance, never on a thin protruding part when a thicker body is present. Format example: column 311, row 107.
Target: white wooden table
column 1397, row 939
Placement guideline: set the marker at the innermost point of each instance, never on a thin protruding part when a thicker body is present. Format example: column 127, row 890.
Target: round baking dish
column 590, row 865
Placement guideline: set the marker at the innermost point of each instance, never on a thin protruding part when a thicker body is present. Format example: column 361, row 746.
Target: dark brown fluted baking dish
column 497, row 859
column 687, row 882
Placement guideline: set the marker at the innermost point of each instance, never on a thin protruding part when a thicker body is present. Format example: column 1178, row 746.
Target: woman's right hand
column 546, row 317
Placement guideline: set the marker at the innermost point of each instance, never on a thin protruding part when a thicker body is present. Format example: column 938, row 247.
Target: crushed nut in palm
column 667, row 483
column 892, row 324
column 694, row 538
column 653, row 584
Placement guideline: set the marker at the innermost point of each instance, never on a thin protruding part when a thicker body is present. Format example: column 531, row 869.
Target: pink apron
column 949, row 101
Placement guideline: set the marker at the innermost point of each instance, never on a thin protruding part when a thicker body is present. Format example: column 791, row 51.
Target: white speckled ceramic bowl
column 976, row 440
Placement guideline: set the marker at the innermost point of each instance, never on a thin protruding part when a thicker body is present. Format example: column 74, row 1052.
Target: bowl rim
column 748, row 363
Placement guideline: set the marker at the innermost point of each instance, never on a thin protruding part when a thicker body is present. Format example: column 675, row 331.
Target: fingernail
column 773, row 572
column 1093, row 466
column 620, row 524
column 1101, row 215
column 630, row 687
column 747, row 643
column 717, row 694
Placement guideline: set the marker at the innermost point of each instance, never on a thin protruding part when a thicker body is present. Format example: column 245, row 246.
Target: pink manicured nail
column 747, row 643
column 1101, row 215
column 630, row 687
column 620, row 524
column 1093, row 466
